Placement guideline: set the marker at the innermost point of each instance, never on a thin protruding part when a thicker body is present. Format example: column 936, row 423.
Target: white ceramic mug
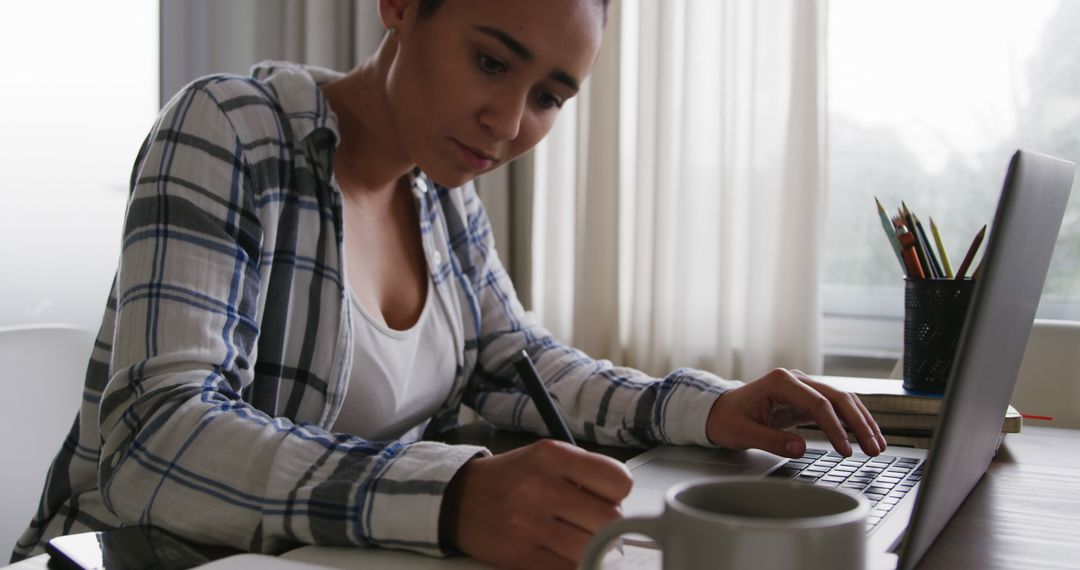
column 741, row 523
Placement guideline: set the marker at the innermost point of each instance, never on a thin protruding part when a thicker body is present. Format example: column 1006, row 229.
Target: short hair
column 429, row 7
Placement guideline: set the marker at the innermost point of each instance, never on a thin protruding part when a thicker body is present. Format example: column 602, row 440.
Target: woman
column 308, row 285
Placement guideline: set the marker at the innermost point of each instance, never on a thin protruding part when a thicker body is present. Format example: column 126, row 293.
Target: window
column 927, row 101
column 80, row 91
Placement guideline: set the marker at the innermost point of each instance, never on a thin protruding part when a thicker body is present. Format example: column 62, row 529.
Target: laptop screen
column 1007, row 292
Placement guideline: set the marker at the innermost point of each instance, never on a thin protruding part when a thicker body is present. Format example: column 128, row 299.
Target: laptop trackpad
column 652, row 480
column 663, row 472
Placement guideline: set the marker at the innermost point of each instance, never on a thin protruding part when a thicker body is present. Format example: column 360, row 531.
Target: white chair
column 1049, row 381
column 42, row 367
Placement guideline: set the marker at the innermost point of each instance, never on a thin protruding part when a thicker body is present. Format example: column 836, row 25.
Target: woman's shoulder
column 278, row 100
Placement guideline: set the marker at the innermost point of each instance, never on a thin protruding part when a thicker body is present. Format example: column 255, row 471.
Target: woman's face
column 481, row 81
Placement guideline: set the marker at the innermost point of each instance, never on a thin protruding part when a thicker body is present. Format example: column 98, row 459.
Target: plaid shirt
column 225, row 350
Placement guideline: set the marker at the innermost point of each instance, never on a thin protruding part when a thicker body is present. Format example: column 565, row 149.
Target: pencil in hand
column 542, row 400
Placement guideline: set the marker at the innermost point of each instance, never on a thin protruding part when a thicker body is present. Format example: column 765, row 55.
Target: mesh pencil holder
column 934, row 313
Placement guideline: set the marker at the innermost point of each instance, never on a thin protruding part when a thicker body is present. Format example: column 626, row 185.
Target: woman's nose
column 502, row 116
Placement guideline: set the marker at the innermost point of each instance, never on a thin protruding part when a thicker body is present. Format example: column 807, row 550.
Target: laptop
column 914, row 492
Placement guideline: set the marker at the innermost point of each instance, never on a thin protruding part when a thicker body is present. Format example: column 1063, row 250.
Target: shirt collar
column 296, row 88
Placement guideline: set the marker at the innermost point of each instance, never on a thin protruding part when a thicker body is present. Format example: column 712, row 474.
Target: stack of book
column 905, row 417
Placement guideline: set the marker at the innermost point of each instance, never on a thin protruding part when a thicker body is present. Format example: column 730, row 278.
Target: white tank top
column 399, row 379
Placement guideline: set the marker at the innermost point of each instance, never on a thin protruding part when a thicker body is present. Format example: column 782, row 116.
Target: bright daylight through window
column 927, row 102
column 79, row 92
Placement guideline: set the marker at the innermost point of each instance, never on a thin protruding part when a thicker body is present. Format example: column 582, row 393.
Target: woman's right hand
column 536, row 506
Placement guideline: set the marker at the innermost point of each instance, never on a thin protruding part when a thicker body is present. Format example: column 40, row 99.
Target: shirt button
column 420, row 185
column 115, row 460
column 436, row 258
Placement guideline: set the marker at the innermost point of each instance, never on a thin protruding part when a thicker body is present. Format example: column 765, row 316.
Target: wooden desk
column 1024, row 513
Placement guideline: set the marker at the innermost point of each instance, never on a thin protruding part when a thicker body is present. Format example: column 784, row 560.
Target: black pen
column 542, row 400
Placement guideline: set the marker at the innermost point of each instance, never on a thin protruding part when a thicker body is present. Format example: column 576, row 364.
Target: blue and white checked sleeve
column 181, row 449
column 601, row 402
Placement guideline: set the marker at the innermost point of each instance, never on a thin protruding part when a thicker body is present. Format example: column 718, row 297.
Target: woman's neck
column 369, row 157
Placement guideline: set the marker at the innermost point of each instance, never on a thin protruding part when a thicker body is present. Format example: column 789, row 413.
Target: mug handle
column 594, row 552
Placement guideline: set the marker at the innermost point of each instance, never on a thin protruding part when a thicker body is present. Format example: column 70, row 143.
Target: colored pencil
column 924, row 242
column 911, row 257
column 890, row 232
column 909, row 221
column 971, row 253
column 945, row 263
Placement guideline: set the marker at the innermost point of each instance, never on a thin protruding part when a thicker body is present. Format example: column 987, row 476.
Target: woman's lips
column 473, row 157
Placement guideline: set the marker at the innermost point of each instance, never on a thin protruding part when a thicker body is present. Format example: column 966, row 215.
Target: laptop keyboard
column 884, row 480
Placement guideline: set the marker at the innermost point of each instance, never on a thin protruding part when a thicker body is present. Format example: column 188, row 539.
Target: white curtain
column 199, row 37
column 678, row 202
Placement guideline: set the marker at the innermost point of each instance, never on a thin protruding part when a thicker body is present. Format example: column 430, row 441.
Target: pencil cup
column 934, row 313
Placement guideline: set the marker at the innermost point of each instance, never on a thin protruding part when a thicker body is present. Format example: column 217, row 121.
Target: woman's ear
column 397, row 16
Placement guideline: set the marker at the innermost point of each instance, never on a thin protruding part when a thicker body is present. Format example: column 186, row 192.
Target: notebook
column 922, row 489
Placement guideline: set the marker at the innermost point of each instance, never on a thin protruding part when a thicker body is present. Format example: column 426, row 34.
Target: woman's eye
column 548, row 101
column 489, row 64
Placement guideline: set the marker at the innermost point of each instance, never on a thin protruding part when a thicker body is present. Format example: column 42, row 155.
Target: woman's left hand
column 756, row 414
